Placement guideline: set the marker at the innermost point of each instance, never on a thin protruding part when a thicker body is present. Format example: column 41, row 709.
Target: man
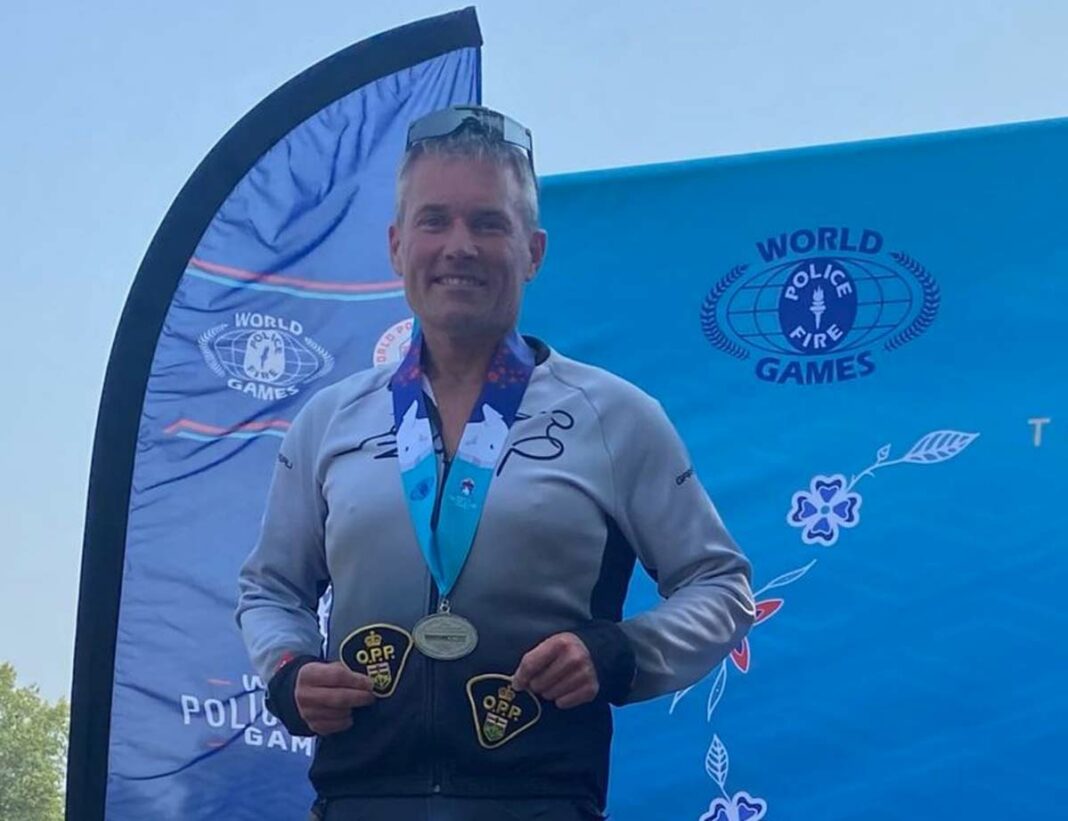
column 478, row 511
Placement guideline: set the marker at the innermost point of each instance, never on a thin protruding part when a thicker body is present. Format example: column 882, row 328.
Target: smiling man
column 479, row 553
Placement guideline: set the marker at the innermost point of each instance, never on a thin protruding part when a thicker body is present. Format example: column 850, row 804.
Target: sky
column 108, row 108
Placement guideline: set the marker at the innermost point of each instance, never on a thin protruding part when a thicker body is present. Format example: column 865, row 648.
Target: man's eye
column 432, row 221
column 490, row 224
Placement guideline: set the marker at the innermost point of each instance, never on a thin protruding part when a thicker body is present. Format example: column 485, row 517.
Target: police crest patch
column 500, row 713
column 380, row 652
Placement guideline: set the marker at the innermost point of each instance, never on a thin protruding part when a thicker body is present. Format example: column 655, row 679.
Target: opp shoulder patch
column 379, row 651
column 500, row 712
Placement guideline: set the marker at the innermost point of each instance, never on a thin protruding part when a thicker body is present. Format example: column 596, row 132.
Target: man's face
column 462, row 247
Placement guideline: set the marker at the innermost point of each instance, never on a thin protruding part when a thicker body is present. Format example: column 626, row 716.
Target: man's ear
column 394, row 249
column 539, row 240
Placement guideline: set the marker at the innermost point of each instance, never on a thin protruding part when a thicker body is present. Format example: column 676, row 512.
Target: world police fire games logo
column 392, row 346
column 265, row 357
column 820, row 305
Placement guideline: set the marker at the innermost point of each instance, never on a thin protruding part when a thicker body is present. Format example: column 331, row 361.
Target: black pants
column 445, row 808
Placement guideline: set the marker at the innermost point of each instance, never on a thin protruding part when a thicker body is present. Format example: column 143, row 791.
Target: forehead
column 460, row 182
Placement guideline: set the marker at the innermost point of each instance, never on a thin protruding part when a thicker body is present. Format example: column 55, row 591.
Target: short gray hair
column 471, row 144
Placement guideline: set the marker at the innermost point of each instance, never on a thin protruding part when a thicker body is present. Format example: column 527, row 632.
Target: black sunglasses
column 492, row 123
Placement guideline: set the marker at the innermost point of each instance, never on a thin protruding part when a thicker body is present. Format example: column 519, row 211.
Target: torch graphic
column 818, row 306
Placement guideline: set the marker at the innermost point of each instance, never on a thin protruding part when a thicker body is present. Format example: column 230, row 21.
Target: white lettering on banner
column 258, row 391
column 802, row 277
column 213, row 710
column 190, row 707
column 254, row 737
column 250, row 320
column 1039, row 422
column 245, row 714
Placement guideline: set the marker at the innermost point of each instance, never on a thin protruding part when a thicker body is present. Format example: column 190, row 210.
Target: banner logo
column 822, row 305
column 393, row 345
column 266, row 357
column 235, row 715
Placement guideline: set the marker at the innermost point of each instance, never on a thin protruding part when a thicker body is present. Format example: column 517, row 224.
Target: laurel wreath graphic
column 708, row 315
column 931, row 300
column 325, row 355
column 204, row 343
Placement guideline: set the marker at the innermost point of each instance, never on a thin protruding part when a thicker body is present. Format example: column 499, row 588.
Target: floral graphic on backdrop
column 822, row 511
column 830, row 503
column 740, row 806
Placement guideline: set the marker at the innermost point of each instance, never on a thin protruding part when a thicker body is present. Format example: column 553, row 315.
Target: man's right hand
column 327, row 693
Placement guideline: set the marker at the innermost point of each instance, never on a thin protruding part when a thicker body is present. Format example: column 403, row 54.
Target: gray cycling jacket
column 592, row 477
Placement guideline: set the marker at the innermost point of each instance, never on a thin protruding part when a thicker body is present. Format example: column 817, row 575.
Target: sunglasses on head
column 486, row 121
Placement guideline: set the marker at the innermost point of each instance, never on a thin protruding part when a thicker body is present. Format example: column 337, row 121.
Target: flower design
column 764, row 611
column 830, row 504
column 825, row 507
column 741, row 807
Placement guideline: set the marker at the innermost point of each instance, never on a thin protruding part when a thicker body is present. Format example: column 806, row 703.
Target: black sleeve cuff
column 281, row 696
column 613, row 658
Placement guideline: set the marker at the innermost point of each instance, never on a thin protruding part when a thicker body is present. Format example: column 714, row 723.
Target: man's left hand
column 559, row 670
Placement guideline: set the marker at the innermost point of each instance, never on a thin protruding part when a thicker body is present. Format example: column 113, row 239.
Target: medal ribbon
column 446, row 547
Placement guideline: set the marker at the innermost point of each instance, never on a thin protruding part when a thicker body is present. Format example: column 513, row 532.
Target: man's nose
column 459, row 242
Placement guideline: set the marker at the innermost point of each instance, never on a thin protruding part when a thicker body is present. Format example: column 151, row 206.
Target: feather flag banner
column 268, row 278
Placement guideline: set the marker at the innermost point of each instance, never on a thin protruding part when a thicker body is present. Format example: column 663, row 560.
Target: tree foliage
column 33, row 752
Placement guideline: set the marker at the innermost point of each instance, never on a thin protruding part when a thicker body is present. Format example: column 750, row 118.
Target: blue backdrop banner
column 863, row 347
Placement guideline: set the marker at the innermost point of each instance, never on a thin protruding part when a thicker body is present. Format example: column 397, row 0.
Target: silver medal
column 444, row 636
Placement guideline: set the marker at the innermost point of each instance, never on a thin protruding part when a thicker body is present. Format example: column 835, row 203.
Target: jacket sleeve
column 678, row 536
column 283, row 578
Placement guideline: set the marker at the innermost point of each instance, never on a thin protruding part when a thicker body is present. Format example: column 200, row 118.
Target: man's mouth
column 459, row 280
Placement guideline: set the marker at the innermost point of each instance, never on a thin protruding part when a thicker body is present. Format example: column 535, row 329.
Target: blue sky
column 109, row 107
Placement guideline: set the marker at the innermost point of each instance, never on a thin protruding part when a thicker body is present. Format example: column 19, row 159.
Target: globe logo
column 263, row 356
column 820, row 317
column 272, row 357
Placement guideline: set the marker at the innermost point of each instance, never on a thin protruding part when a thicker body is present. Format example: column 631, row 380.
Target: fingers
column 334, row 698
column 334, row 674
column 329, row 726
column 559, row 670
column 566, row 665
column 571, row 685
column 581, row 693
column 326, row 695
column 535, row 662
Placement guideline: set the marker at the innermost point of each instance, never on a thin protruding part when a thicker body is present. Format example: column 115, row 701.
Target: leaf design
column 679, row 695
column 938, row 446
column 204, row 343
column 884, row 452
column 786, row 578
column 718, row 687
column 717, row 763
column 928, row 310
column 324, row 354
column 708, row 315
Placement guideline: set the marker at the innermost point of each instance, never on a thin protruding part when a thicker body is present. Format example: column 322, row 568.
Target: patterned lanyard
column 446, row 546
